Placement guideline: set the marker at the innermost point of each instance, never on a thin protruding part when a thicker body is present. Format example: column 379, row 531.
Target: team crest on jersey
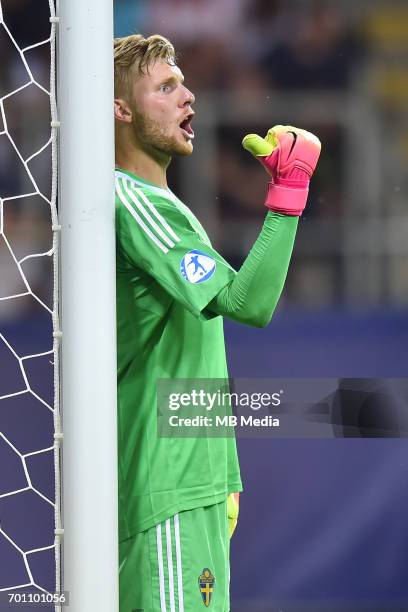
column 197, row 267
column 206, row 585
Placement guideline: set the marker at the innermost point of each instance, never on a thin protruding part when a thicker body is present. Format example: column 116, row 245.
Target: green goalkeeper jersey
column 167, row 274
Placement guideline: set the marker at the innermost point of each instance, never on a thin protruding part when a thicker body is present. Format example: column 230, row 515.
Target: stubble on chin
column 151, row 135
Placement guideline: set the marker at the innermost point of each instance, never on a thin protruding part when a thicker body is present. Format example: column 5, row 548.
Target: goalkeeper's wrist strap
column 287, row 196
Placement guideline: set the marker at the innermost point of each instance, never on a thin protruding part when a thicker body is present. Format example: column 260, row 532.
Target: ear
column 122, row 111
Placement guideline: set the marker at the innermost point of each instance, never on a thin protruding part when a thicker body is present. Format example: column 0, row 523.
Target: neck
column 147, row 165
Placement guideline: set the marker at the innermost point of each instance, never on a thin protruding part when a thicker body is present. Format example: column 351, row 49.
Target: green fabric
column 192, row 541
column 251, row 296
column 164, row 331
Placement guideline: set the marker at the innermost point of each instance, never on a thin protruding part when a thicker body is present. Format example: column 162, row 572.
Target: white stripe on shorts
column 161, row 568
column 178, row 563
column 170, row 566
column 170, row 579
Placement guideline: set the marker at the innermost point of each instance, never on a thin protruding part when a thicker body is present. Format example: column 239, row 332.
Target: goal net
column 44, row 331
column 30, row 424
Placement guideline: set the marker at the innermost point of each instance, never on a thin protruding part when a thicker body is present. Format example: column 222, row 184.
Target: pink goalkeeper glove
column 290, row 156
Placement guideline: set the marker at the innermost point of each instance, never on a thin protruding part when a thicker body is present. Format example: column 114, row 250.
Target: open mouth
column 185, row 126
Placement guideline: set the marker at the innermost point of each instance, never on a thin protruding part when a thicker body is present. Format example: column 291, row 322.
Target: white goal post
column 86, row 205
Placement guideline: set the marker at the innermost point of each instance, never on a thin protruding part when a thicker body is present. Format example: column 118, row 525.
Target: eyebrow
column 172, row 79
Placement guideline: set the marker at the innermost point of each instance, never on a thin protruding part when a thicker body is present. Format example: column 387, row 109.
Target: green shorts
column 180, row 565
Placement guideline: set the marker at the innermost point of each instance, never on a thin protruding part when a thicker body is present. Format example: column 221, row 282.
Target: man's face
column 161, row 112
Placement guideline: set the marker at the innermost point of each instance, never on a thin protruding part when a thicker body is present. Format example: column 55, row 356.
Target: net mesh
column 30, row 423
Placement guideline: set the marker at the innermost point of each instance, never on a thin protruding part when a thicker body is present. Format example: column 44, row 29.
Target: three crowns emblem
column 206, row 585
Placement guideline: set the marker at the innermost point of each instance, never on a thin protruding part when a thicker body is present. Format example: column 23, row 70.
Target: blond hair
column 134, row 54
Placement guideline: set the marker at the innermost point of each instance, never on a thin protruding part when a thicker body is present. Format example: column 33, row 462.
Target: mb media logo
column 197, row 267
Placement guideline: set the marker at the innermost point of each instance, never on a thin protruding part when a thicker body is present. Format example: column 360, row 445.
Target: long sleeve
column 251, row 296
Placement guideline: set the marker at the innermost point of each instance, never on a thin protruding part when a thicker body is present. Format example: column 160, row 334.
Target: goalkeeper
column 178, row 497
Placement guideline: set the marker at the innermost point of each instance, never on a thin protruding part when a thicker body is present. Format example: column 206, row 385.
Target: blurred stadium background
column 339, row 69
column 320, row 521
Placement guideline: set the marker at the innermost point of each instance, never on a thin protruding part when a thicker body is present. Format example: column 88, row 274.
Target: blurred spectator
column 317, row 52
column 238, row 198
column 25, row 221
column 207, row 35
column 27, row 20
column 27, row 231
column 265, row 25
column 186, row 21
column 211, row 71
